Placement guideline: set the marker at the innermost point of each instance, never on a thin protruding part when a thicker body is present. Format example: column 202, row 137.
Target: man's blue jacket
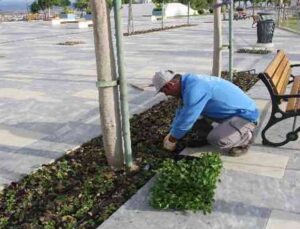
column 211, row 97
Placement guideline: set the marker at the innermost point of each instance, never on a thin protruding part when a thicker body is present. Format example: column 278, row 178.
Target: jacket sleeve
column 186, row 116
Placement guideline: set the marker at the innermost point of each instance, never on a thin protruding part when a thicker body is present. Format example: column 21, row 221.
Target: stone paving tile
column 17, row 137
column 136, row 213
column 258, row 163
column 18, row 94
column 87, row 94
column 9, row 162
column 134, row 98
column 259, row 191
column 89, row 73
column 15, row 77
column 280, row 219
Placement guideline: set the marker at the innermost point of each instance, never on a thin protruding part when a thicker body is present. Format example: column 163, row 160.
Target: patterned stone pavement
column 48, row 103
column 258, row 190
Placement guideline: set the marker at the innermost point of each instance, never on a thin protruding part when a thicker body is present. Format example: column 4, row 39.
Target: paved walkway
column 260, row 190
column 48, row 97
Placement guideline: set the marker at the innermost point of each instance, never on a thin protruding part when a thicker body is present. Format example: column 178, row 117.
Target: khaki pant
column 231, row 133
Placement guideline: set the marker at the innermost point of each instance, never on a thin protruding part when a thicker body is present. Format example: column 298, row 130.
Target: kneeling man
column 213, row 98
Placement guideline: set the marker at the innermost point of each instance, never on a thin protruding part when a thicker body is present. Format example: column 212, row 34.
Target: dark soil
column 71, row 43
column 157, row 29
column 254, row 51
column 80, row 190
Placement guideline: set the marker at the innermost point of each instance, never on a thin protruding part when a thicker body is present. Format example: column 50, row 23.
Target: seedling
column 187, row 184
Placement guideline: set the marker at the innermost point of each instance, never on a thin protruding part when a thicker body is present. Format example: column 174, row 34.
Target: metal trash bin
column 265, row 31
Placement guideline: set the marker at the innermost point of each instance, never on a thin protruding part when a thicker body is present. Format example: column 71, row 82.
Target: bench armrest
column 295, row 65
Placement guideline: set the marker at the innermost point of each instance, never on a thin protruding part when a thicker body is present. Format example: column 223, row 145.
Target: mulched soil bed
column 254, row 51
column 80, row 190
column 158, row 29
column 71, row 43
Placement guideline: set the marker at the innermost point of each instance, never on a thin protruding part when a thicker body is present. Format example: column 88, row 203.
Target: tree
column 82, row 5
column 130, row 27
column 64, row 3
column 108, row 96
column 158, row 3
column 197, row 4
column 109, row 4
column 34, row 8
column 217, row 59
column 44, row 5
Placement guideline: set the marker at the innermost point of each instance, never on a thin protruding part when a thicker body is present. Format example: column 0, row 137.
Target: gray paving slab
column 260, row 191
column 49, row 90
column 251, row 194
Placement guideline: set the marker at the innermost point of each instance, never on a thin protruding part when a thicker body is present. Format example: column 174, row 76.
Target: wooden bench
column 276, row 77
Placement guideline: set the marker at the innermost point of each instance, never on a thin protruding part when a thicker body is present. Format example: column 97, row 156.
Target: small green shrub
column 68, row 10
column 157, row 9
column 187, row 184
column 201, row 11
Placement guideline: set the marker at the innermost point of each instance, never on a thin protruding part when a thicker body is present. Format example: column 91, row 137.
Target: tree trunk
column 130, row 28
column 217, row 61
column 162, row 14
column 279, row 17
column 188, row 13
column 108, row 96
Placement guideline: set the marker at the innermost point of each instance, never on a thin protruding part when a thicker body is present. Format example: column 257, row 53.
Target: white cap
column 161, row 78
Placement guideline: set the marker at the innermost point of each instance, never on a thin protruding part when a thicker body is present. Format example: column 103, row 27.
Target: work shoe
column 196, row 143
column 238, row 151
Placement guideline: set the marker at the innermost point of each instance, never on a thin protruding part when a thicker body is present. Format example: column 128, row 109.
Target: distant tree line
column 84, row 5
column 208, row 4
column 43, row 5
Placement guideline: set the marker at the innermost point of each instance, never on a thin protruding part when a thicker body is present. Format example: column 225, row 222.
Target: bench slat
column 294, row 103
column 282, row 84
column 280, row 74
column 272, row 67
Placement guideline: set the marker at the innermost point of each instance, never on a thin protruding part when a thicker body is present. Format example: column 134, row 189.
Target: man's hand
column 170, row 142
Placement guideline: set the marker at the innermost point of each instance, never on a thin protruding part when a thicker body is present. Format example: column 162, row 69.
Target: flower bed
column 157, row 29
column 71, row 43
column 254, row 51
